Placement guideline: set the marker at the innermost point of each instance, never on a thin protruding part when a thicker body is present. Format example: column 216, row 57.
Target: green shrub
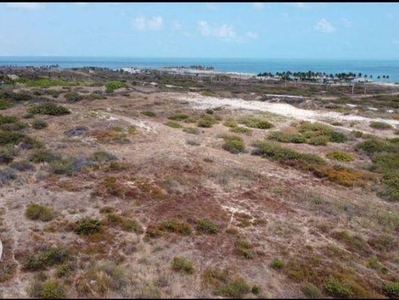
column 4, row 104
column 391, row 289
column 172, row 124
column 243, row 248
column 206, row 121
column 380, row 125
column 178, row 117
column 339, row 155
column 206, row 226
column 49, row 289
column 338, row 137
column 50, row 256
column 192, row 130
column 39, row 124
column 277, row 264
column 234, row 144
column 149, row 113
column 240, row 129
column 311, row 291
column 336, row 288
column 131, row 225
column 72, row 97
column 52, row 289
column 48, row 109
column 230, row 123
column 234, row 289
column 87, row 226
column 320, row 140
column 182, row 265
column 40, row 156
column 182, row 228
column 286, row 137
column 103, row 156
column 38, row 212
column 113, row 85
column 254, row 122
column 255, row 290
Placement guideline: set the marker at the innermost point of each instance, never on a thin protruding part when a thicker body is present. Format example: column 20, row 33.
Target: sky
column 201, row 30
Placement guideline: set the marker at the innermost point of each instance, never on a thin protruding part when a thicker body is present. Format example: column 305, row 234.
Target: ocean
column 375, row 68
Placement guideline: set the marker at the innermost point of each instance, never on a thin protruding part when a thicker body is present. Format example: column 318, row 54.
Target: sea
column 382, row 68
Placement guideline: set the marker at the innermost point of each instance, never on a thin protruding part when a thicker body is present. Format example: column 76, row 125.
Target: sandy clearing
column 203, row 102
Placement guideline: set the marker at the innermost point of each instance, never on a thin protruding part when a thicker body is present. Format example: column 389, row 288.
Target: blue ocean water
column 241, row 65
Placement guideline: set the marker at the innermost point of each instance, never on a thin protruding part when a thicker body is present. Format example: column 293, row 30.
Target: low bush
column 87, row 226
column 48, row 257
column 391, row 289
column 172, row 124
column 284, row 137
column 103, row 156
column 230, row 123
column 114, row 85
column 337, row 288
column 22, row 166
column 40, row 156
column 339, row 155
column 225, row 284
column 149, row 113
column 182, row 228
column 178, row 117
column 192, row 130
column 7, row 175
column 311, row 291
column 240, row 129
column 207, row 226
column 39, row 124
column 182, row 265
column 206, row 121
column 72, row 97
column 38, row 212
column 49, row 289
column 277, row 264
column 244, row 249
column 232, row 143
column 254, row 122
column 48, row 109
column 380, row 125
column 4, row 104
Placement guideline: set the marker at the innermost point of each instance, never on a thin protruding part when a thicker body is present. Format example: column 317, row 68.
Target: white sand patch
column 204, row 102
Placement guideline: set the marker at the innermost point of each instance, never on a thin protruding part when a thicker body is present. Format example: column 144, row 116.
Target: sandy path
column 203, row 102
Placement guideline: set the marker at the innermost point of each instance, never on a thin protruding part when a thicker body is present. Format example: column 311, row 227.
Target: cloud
column 143, row 23
column 81, row 3
column 252, row 35
column 325, row 26
column 347, row 23
column 212, row 6
column 224, row 32
column 176, row 25
column 24, row 5
column 258, row 5
column 299, row 4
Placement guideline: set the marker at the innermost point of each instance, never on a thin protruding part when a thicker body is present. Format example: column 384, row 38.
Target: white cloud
column 176, row 25
column 24, row 5
column 299, row 4
column 252, row 35
column 258, row 5
column 347, row 23
column 224, row 32
column 325, row 26
column 143, row 23
column 212, row 6
column 81, row 3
